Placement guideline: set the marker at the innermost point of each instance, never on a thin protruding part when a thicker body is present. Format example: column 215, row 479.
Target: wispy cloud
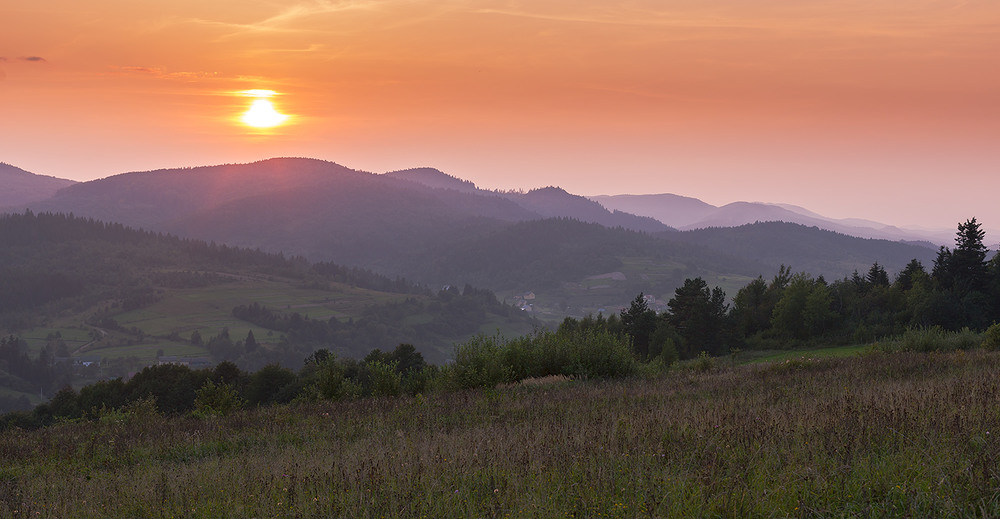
column 846, row 16
column 30, row 59
column 159, row 73
column 192, row 77
column 284, row 20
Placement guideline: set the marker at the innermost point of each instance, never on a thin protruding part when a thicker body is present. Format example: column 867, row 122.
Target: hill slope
column 21, row 187
column 810, row 249
column 80, row 288
column 453, row 233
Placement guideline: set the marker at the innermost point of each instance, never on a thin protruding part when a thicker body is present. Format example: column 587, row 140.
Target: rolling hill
column 440, row 230
column 81, row 291
column 21, row 187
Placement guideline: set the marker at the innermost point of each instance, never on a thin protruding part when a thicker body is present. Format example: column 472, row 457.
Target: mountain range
column 437, row 229
column 687, row 213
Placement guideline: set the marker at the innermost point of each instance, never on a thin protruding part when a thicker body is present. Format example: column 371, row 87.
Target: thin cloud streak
column 815, row 20
column 281, row 22
column 29, row 59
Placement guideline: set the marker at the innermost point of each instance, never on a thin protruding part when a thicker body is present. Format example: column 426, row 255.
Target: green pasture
column 777, row 356
column 146, row 352
column 74, row 337
column 209, row 310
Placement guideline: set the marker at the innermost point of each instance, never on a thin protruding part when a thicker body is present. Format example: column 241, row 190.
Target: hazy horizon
column 851, row 109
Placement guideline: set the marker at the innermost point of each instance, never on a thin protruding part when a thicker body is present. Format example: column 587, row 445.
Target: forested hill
column 808, row 249
column 47, row 257
column 21, row 187
column 436, row 229
column 544, row 254
column 547, row 202
column 150, row 293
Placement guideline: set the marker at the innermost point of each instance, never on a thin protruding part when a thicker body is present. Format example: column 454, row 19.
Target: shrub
column 490, row 361
column 934, row 338
column 991, row 339
column 267, row 384
column 478, row 363
column 383, row 379
column 142, row 411
column 216, row 400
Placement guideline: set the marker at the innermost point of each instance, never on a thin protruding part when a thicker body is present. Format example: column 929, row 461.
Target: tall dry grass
column 901, row 434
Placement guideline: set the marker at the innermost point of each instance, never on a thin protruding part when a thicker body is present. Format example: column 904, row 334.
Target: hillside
column 673, row 210
column 439, row 230
column 808, row 249
column 547, row 202
column 437, row 179
column 79, row 289
column 21, row 187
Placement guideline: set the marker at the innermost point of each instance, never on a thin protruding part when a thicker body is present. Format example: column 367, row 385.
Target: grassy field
column 873, row 435
column 800, row 355
column 210, row 309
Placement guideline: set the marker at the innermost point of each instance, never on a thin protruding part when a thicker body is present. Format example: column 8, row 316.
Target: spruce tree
column 968, row 260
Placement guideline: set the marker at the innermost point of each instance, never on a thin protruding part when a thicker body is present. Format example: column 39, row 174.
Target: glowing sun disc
column 263, row 115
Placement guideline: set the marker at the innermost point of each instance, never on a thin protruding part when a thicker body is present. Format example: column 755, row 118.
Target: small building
column 87, row 361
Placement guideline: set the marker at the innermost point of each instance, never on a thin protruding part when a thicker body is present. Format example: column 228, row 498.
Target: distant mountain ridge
column 548, row 202
column 437, row 229
column 20, row 187
column 687, row 213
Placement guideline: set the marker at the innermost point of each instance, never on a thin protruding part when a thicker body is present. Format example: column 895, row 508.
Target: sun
column 262, row 113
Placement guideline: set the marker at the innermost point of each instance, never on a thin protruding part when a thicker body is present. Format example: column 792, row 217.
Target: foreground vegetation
column 900, row 434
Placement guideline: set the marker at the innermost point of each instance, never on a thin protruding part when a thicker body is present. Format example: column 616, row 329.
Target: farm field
column 877, row 434
column 210, row 309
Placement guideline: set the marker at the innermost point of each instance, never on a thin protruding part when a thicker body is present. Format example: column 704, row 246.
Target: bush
column 490, row 361
column 934, row 338
column 216, row 400
column 267, row 384
column 991, row 339
column 143, row 411
column 478, row 363
column 383, row 378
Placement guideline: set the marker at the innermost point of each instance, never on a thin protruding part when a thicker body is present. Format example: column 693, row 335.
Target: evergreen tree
column 877, row 276
column 968, row 260
column 250, row 344
column 914, row 270
column 640, row 323
column 699, row 315
column 752, row 308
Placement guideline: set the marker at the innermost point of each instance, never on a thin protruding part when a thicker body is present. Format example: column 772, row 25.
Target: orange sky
column 883, row 109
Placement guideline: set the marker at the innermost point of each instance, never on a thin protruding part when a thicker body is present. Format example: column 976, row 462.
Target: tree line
column 961, row 290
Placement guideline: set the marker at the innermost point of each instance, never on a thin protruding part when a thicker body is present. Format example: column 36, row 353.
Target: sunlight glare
column 263, row 115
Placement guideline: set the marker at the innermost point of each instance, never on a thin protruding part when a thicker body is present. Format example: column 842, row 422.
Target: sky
column 880, row 109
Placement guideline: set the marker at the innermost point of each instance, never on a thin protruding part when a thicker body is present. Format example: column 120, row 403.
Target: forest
column 67, row 275
column 793, row 310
